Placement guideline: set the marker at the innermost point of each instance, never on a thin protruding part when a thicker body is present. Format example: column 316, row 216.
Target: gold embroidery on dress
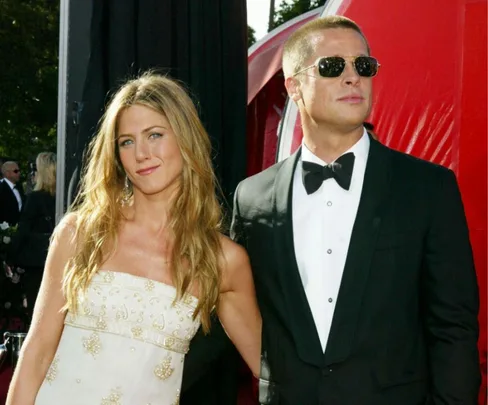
column 149, row 285
column 177, row 400
column 113, row 399
column 137, row 331
column 86, row 309
column 161, row 336
column 138, row 297
column 164, row 370
column 113, row 291
column 108, row 276
column 122, row 313
column 92, row 344
column 158, row 323
column 101, row 324
column 140, row 318
column 169, row 342
column 98, row 290
column 52, row 371
column 187, row 299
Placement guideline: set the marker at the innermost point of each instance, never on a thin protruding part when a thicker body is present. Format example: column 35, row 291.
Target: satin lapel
column 361, row 248
column 297, row 308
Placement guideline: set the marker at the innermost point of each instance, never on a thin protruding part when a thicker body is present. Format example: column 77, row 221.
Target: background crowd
column 27, row 215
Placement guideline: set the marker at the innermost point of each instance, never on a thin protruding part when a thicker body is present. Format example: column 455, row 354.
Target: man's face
column 13, row 173
column 341, row 102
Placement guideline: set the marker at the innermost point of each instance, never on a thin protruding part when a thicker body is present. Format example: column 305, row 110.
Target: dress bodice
column 124, row 346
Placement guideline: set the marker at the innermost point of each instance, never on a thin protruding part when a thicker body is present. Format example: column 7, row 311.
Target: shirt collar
column 360, row 150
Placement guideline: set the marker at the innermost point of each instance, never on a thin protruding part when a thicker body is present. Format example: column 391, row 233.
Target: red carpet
column 5, row 376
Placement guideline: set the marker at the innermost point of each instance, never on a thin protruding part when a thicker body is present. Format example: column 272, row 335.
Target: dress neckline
column 125, row 274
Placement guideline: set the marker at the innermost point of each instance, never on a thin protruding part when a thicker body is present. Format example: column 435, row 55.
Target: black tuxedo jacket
column 9, row 207
column 404, row 330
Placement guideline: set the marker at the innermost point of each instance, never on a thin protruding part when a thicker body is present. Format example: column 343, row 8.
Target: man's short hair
column 298, row 47
column 8, row 166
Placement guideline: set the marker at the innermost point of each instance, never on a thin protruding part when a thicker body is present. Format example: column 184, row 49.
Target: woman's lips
column 146, row 171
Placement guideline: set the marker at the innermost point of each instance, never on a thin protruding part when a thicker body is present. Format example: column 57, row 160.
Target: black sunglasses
column 333, row 66
column 16, row 171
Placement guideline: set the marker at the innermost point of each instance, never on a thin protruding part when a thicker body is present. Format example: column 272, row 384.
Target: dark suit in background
column 9, row 206
column 31, row 242
column 405, row 329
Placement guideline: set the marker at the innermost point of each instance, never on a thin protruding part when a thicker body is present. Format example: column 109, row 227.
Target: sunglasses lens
column 366, row 66
column 332, row 66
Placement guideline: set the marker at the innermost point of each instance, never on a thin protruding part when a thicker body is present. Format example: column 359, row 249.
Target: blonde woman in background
column 30, row 244
column 138, row 264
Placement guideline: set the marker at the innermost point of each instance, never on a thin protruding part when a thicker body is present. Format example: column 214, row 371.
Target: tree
column 29, row 31
column 251, row 36
column 290, row 9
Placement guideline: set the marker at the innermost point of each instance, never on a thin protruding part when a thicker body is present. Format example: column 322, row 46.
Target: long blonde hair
column 195, row 216
column 46, row 172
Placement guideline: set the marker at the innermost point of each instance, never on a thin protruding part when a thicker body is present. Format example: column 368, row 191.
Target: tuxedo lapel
column 361, row 248
column 297, row 308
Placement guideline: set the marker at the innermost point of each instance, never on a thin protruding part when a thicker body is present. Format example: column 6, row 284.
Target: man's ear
column 292, row 85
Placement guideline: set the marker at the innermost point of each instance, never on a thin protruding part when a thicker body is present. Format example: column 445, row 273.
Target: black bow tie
column 341, row 170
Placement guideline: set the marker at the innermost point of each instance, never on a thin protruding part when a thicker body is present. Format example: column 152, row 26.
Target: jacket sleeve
column 236, row 228
column 450, row 301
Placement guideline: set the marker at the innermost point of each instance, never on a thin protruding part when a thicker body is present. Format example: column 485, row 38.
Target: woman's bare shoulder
column 66, row 228
column 235, row 257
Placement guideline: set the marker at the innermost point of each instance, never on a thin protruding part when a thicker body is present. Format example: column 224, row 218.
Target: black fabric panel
column 202, row 43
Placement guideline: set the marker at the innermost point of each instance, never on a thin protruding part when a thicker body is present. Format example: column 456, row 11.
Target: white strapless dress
column 126, row 345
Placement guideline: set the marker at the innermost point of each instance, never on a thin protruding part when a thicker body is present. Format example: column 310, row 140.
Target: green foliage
column 29, row 32
column 290, row 9
column 251, row 36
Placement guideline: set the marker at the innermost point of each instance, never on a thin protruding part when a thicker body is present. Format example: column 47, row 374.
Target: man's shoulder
column 259, row 185
column 262, row 179
column 415, row 167
column 4, row 187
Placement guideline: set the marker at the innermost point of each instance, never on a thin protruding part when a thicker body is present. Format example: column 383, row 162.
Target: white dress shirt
column 15, row 191
column 322, row 228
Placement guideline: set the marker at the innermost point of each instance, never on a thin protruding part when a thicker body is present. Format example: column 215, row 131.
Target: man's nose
column 350, row 74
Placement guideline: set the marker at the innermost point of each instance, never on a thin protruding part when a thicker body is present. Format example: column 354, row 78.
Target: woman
column 30, row 243
column 138, row 265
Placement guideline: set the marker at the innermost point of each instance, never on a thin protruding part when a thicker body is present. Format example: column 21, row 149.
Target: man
column 11, row 195
column 361, row 255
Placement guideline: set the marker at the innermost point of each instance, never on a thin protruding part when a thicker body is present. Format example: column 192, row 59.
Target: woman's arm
column 47, row 323
column 238, row 309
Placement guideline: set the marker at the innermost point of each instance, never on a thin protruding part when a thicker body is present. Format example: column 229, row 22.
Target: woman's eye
column 155, row 135
column 125, row 142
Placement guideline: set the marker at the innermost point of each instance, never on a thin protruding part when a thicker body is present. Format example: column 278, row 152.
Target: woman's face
column 149, row 151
